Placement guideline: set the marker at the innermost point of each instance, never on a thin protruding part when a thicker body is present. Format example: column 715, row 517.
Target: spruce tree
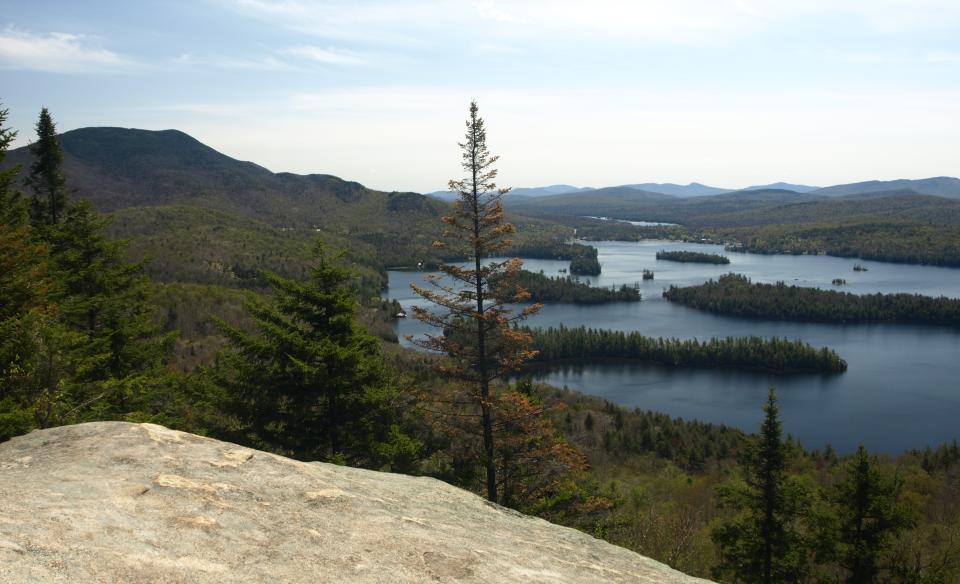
column 12, row 208
column 312, row 384
column 106, row 300
column 475, row 315
column 870, row 518
column 100, row 348
column 46, row 179
column 764, row 540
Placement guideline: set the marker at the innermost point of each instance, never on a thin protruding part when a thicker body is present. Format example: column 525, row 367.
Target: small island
column 778, row 355
column 648, row 274
column 570, row 290
column 585, row 266
column 859, row 268
column 692, row 257
column 736, row 295
column 838, row 282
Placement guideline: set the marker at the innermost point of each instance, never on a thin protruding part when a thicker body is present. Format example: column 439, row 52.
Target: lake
column 901, row 391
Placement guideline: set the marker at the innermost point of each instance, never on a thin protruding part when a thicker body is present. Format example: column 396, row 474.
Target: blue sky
column 726, row 92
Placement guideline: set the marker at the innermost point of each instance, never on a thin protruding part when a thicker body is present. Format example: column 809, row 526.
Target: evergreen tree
column 475, row 299
column 764, row 540
column 106, row 300
column 870, row 518
column 12, row 208
column 24, row 304
column 312, row 384
column 82, row 334
column 46, row 179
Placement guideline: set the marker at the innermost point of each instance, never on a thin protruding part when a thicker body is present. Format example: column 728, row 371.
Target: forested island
column 585, row 266
column 736, row 295
column 583, row 258
column 692, row 257
column 570, row 290
column 777, row 354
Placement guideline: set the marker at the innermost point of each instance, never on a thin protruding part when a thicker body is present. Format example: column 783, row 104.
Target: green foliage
column 870, row 516
column 80, row 342
column 736, row 295
column 585, row 266
column 775, row 354
column 543, row 288
column 46, row 180
column 311, row 384
column 692, row 257
column 764, row 538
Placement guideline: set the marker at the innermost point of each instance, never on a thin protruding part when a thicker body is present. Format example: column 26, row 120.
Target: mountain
column 161, row 186
column 634, row 204
column 521, row 192
column 941, row 186
column 139, row 503
column 783, row 186
column 609, row 201
column 118, row 168
column 693, row 189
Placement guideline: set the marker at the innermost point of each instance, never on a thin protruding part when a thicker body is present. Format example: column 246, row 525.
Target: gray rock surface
column 131, row 503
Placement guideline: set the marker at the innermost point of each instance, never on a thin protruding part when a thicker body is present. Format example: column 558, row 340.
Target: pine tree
column 46, row 179
column 764, row 540
column 312, row 384
column 475, row 317
column 870, row 518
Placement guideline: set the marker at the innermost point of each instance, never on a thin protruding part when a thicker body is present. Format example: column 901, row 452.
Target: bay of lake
column 901, row 391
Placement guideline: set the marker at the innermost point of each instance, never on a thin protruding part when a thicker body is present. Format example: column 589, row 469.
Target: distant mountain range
column 522, row 192
column 943, row 186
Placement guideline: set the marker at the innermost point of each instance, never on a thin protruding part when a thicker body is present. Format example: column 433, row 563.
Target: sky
column 724, row 92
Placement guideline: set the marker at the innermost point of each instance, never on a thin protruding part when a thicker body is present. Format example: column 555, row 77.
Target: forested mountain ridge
column 940, row 186
column 116, row 168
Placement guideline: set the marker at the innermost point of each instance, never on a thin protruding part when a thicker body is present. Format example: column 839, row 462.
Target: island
column 777, row 355
column 570, row 290
column 736, row 295
column 692, row 257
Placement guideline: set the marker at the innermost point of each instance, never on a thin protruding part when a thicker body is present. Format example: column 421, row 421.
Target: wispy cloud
column 263, row 63
column 326, row 55
column 57, row 52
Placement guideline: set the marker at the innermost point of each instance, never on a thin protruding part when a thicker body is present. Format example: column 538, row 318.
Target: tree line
column 775, row 354
column 736, row 295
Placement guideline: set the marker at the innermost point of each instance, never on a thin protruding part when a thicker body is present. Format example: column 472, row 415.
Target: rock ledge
column 131, row 503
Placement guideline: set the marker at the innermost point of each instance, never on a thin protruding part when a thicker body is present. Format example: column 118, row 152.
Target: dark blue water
column 901, row 391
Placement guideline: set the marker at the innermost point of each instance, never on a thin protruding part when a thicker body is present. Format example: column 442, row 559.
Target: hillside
column 118, row 168
column 941, row 186
column 120, row 502
column 204, row 217
column 634, row 204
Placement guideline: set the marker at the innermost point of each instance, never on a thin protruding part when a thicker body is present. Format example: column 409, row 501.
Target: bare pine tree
column 475, row 315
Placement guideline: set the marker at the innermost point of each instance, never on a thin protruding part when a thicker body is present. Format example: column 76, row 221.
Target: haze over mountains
column 938, row 186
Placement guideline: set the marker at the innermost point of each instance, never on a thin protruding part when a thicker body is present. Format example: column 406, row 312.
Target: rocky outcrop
column 130, row 503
